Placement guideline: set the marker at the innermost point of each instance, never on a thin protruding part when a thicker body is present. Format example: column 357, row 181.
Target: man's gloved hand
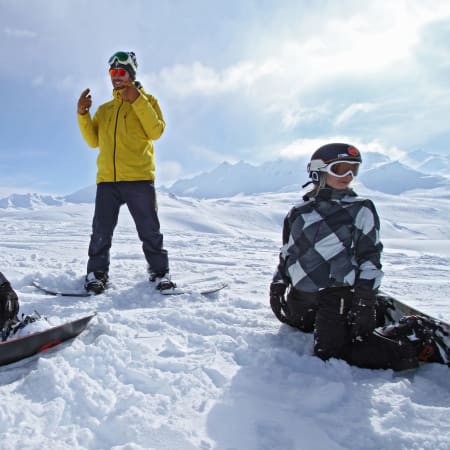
column 362, row 318
column 84, row 102
column 9, row 303
column 277, row 300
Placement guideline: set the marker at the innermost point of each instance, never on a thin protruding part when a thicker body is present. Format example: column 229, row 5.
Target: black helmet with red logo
column 327, row 156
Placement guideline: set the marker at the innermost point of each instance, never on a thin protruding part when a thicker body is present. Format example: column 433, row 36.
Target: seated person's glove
column 362, row 318
column 277, row 300
column 9, row 304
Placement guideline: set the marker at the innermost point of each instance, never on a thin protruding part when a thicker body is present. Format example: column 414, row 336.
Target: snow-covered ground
column 191, row 372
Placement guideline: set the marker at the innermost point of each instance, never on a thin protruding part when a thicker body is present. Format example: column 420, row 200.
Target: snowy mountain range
column 417, row 170
column 420, row 170
column 30, row 201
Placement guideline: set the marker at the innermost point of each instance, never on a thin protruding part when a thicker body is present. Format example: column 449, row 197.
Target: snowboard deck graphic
column 15, row 349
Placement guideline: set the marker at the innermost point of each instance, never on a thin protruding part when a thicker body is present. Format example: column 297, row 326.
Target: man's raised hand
column 84, row 102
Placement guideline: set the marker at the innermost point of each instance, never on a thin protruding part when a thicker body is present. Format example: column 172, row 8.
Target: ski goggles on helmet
column 341, row 169
column 337, row 168
column 126, row 58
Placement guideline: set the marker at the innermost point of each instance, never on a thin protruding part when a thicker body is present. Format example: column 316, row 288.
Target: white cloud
column 377, row 39
column 352, row 110
column 199, row 79
column 19, row 33
column 294, row 115
column 305, row 147
column 209, row 155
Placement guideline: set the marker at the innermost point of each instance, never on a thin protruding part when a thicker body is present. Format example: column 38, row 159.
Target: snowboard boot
column 428, row 336
column 162, row 280
column 95, row 282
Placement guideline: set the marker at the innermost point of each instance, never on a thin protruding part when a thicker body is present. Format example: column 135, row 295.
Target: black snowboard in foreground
column 15, row 349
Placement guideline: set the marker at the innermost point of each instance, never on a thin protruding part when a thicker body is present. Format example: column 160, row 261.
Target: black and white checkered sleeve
column 280, row 273
column 368, row 248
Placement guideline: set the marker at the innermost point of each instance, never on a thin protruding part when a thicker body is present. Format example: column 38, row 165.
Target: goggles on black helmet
column 126, row 58
column 341, row 169
column 338, row 169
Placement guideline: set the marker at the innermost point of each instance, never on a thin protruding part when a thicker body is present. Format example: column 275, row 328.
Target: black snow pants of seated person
column 326, row 313
column 302, row 309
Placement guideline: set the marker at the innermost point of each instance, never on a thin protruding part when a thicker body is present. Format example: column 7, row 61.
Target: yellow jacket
column 124, row 132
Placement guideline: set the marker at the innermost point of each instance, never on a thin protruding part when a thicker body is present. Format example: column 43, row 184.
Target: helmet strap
column 322, row 180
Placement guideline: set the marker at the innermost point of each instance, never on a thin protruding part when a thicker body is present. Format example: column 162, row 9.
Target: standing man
column 124, row 130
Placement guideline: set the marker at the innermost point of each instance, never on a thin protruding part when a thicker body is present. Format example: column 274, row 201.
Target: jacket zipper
column 115, row 142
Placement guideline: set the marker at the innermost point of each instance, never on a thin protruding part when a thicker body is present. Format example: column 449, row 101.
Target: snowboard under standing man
column 330, row 262
column 124, row 130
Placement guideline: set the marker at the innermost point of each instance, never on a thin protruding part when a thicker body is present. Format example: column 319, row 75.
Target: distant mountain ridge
column 30, row 201
column 419, row 170
column 395, row 178
column 378, row 172
column 34, row 201
column 227, row 179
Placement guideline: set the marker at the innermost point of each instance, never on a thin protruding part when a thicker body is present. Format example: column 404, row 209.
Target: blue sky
column 236, row 80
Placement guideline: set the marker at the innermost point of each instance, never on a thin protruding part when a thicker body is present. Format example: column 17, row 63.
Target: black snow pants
column 326, row 314
column 140, row 198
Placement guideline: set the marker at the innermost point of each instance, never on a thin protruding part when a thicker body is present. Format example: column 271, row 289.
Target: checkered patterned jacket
column 331, row 240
